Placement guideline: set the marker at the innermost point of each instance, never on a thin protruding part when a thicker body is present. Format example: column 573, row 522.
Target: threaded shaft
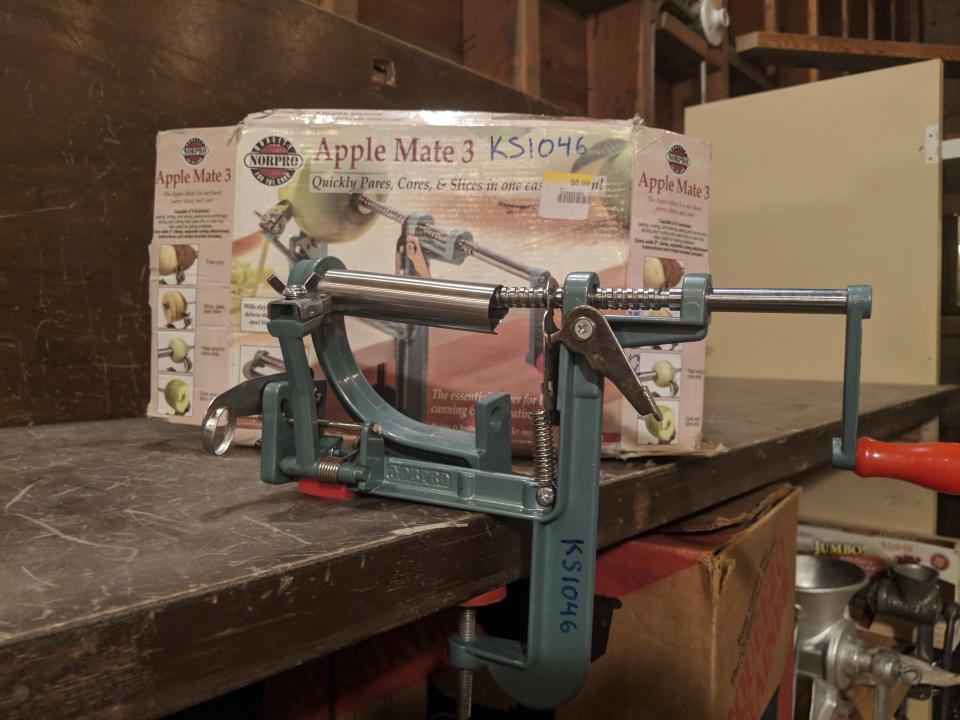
column 602, row 298
column 521, row 297
column 629, row 299
column 398, row 216
column 368, row 202
column 466, row 629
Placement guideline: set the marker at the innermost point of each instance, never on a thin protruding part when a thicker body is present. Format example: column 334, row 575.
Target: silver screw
column 546, row 496
column 466, row 629
column 583, row 328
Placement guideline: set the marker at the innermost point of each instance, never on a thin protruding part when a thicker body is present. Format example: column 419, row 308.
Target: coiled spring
column 327, row 468
column 544, row 458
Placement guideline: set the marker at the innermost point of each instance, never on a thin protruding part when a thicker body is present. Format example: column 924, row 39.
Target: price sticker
column 566, row 196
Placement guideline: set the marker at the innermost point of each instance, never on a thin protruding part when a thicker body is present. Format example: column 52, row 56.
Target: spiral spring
column 544, row 458
column 327, row 468
column 629, row 299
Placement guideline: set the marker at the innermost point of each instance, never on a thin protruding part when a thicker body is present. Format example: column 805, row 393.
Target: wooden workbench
column 139, row 575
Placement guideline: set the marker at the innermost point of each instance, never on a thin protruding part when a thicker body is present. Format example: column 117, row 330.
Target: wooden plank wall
column 87, row 87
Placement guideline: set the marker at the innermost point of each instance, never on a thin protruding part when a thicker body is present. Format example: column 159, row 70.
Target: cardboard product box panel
column 520, row 196
column 190, row 257
column 707, row 625
column 875, row 551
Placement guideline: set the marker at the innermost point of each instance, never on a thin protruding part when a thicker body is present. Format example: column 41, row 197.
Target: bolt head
column 584, row 328
column 546, row 496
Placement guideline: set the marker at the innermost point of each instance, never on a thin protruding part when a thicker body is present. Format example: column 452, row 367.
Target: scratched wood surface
column 139, row 575
column 86, row 87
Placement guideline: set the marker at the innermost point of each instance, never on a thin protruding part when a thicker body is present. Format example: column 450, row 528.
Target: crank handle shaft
column 933, row 465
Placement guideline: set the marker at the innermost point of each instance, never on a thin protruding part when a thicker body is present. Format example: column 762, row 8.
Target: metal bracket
column 586, row 332
column 859, row 306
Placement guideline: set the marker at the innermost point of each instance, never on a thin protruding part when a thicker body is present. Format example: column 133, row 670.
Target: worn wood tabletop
column 139, row 575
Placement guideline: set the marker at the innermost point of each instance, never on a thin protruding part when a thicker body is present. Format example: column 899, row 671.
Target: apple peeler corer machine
column 395, row 456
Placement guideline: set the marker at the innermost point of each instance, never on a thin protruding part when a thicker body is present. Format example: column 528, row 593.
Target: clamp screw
column 584, row 328
column 546, row 496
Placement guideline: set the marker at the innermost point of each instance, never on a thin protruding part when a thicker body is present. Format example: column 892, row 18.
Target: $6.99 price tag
column 565, row 196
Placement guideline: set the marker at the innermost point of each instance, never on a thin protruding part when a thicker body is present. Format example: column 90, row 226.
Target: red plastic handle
column 930, row 465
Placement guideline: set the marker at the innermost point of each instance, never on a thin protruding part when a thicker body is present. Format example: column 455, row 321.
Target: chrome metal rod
column 502, row 261
column 765, row 300
column 479, row 307
column 422, row 301
column 753, row 300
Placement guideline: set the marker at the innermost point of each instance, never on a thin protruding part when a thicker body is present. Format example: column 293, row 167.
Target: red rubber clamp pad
column 328, row 491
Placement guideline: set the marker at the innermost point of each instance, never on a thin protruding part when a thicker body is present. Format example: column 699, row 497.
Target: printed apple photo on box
column 660, row 273
column 660, row 432
column 175, row 395
column 177, row 264
column 176, row 308
column 175, row 351
column 259, row 360
column 659, row 371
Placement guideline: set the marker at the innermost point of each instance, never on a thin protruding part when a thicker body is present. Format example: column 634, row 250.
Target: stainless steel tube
column 765, row 300
column 421, row 301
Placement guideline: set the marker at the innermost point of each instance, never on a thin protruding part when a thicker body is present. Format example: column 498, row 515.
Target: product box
column 190, row 259
column 501, row 199
column 876, row 551
column 707, row 625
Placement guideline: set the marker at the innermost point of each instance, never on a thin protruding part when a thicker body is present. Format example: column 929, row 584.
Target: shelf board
column 749, row 70
column 834, row 53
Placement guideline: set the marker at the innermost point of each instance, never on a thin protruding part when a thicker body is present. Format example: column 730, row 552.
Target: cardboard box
column 190, row 257
column 876, row 551
column 707, row 624
column 505, row 199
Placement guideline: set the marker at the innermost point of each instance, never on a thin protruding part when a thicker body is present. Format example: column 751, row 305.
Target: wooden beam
column 913, row 19
column 613, row 38
column 435, row 26
column 871, row 19
column 502, row 40
column 563, row 56
column 646, row 102
column 830, row 53
column 770, row 16
column 750, row 71
column 680, row 50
